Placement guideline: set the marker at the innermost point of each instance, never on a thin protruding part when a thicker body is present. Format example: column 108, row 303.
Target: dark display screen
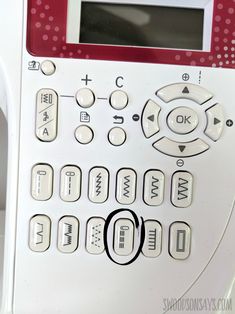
column 142, row 25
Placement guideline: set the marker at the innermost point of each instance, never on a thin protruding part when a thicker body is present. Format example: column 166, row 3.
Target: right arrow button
column 215, row 122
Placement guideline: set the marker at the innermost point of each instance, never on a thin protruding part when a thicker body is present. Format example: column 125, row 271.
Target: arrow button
column 149, row 119
column 215, row 122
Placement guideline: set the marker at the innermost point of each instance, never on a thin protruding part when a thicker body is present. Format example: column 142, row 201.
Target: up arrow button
column 215, row 122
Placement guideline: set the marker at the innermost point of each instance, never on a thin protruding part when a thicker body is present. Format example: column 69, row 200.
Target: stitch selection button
column 117, row 136
column 150, row 123
column 85, row 98
column 123, row 237
column 182, row 120
column 182, row 189
column 48, row 67
column 154, row 187
column 70, row 184
column 98, row 185
column 42, row 182
column 153, row 239
column 95, row 235
column 68, row 233
column 126, row 186
column 180, row 240
column 119, row 100
column 181, row 149
column 192, row 92
column 46, row 115
column 84, row 134
column 215, row 122
column 39, row 233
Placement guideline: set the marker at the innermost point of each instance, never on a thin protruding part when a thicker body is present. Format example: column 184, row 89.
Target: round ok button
column 182, row 120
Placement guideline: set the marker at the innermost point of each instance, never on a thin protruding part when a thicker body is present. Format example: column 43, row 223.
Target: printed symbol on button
column 39, row 233
column 185, row 77
column 216, row 121
column 47, row 98
column 136, row 117
column 183, row 119
column 180, row 163
column 96, row 238
column 229, row 123
column 84, row 117
column 98, row 184
column 181, row 239
column 154, row 187
column 45, row 116
column 151, row 118
column 86, row 80
column 68, row 234
column 118, row 120
column 182, row 189
column 122, row 235
column 33, row 66
column 185, row 90
column 152, row 239
column 182, row 148
column 126, row 190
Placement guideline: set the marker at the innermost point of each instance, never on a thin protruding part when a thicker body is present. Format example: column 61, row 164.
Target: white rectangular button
column 98, row 185
column 39, row 233
column 42, row 182
column 126, row 186
column 124, row 237
column 70, row 184
column 68, row 233
column 153, row 239
column 95, row 235
column 46, row 117
column 182, row 189
column 180, row 240
column 154, row 182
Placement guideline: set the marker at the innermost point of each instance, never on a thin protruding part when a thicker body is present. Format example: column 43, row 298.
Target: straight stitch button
column 70, row 184
column 42, row 182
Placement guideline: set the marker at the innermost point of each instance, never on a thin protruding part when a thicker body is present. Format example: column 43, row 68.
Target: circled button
column 182, row 120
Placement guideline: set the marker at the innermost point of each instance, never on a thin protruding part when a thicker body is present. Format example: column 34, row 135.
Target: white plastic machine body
column 76, row 281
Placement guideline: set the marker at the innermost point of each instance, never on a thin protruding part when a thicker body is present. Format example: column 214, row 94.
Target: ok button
column 182, row 120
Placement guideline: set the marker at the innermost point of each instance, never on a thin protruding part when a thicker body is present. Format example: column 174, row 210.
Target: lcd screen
column 141, row 25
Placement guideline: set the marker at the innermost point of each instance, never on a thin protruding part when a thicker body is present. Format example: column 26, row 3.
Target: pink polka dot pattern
column 47, row 38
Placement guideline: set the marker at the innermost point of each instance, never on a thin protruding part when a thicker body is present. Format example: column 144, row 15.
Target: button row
column 116, row 136
column 123, row 240
column 86, row 98
column 98, row 187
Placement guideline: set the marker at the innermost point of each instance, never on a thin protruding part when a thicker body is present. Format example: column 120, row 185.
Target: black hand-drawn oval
column 137, row 225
